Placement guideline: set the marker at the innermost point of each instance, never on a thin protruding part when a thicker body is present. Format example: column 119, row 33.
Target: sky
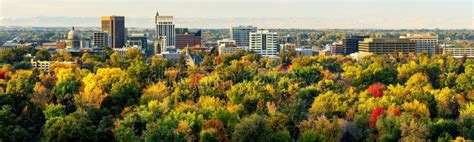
column 453, row 14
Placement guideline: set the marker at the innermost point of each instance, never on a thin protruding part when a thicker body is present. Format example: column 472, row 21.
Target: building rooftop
column 424, row 35
column 385, row 40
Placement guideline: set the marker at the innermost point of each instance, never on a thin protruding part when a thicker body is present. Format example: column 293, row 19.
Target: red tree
column 376, row 89
column 2, row 74
column 196, row 79
column 288, row 68
column 374, row 116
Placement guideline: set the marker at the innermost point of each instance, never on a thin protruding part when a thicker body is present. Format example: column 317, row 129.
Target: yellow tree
column 155, row 92
column 97, row 86
column 328, row 104
column 419, row 83
column 417, row 109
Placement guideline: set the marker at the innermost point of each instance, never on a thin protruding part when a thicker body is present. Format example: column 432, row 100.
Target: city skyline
column 456, row 14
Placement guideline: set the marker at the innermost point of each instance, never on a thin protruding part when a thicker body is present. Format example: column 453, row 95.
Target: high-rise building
column 188, row 39
column 165, row 27
column 138, row 40
column 351, row 45
column 101, row 39
column 115, row 26
column 241, row 34
column 264, row 42
column 387, row 46
column 425, row 43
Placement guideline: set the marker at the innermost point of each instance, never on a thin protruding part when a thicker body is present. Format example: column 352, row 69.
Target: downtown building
column 188, row 39
column 241, row 34
column 101, row 39
column 115, row 27
column 351, row 45
column 288, row 39
column 337, row 48
column 73, row 40
column 458, row 52
column 425, row 43
column 226, row 42
column 138, row 40
column 387, row 46
column 227, row 46
column 165, row 28
column 264, row 42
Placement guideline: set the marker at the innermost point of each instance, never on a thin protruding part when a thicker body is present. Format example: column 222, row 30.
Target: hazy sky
column 433, row 13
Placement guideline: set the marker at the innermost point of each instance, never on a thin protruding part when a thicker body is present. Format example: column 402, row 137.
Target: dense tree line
column 240, row 97
column 304, row 37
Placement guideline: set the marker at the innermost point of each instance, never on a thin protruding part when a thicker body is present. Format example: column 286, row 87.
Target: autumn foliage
column 244, row 97
column 2, row 74
column 394, row 111
column 374, row 116
column 376, row 90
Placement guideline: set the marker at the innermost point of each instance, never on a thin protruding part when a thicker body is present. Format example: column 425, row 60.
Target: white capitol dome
column 72, row 35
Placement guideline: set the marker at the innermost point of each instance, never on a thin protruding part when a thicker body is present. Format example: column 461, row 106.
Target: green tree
column 43, row 55
column 310, row 74
column 311, row 136
column 252, row 128
column 73, row 127
column 249, row 94
column 389, row 128
column 125, row 92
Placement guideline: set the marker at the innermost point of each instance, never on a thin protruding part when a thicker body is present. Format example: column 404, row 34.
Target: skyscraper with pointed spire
column 165, row 27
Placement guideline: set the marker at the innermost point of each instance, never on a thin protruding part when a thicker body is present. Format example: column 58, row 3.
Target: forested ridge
column 239, row 97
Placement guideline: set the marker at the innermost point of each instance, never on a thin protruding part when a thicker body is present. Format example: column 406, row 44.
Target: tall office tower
column 101, row 39
column 425, row 43
column 241, row 34
column 387, row 46
column 351, row 45
column 188, row 39
column 165, row 27
column 115, row 26
column 264, row 42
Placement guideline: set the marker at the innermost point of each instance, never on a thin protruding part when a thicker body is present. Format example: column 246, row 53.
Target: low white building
column 46, row 65
column 359, row 55
column 123, row 51
column 425, row 43
column 304, row 52
column 226, row 50
column 459, row 52
column 226, row 42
